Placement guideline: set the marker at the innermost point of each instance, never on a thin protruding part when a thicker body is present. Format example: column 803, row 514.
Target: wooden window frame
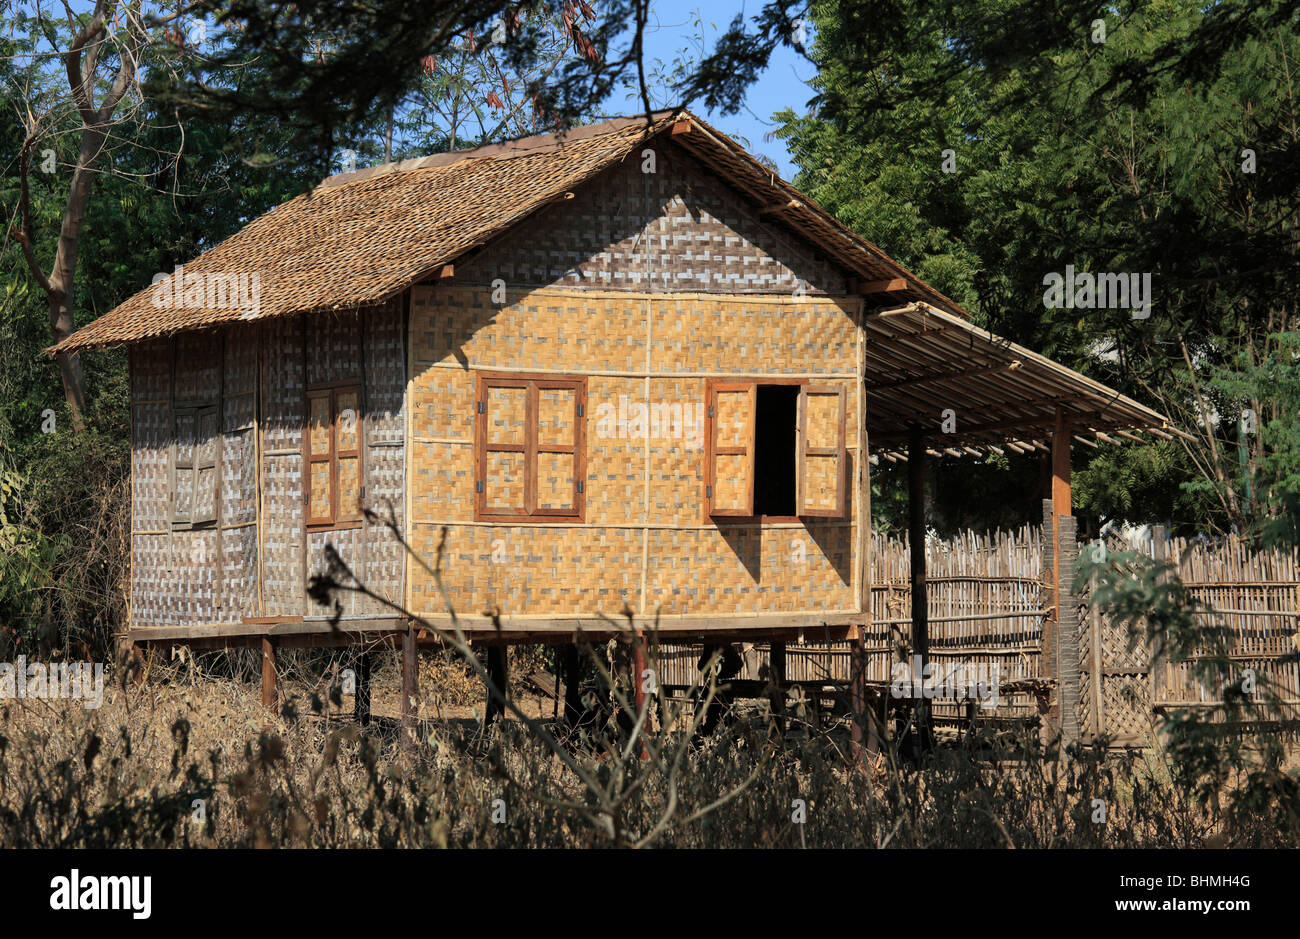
column 530, row 448
column 711, row 388
column 331, row 392
column 196, row 411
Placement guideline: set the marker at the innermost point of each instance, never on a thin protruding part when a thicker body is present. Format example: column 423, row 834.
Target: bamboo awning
column 922, row 362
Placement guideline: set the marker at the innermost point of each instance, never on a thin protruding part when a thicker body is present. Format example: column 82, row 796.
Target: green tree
column 984, row 169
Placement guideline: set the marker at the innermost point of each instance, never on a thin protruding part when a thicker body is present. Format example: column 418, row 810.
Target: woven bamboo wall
column 251, row 561
column 207, row 574
column 647, row 285
column 284, row 415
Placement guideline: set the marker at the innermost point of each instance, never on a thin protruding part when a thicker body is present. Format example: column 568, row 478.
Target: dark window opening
column 776, row 420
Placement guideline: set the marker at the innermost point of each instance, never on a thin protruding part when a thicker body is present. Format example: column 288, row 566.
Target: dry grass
column 129, row 774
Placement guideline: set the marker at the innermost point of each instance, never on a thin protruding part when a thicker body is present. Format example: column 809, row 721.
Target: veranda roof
column 922, row 361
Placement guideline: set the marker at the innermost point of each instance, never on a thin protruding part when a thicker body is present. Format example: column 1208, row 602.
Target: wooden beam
column 440, row 273
column 639, row 689
column 946, row 376
column 780, row 207
column 858, row 703
column 683, row 126
column 892, row 285
column 1009, row 424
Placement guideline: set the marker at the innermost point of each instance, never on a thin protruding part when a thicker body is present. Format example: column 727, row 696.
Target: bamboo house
column 623, row 368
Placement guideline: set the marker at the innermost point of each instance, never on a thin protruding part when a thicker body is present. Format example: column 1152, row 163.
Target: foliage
column 1064, row 150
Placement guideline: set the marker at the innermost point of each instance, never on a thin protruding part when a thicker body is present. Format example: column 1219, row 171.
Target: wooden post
column 498, row 672
column 1047, row 708
column 920, row 600
column 1156, row 652
column 410, row 688
column 361, row 697
column 136, row 663
column 571, row 666
column 1098, row 700
column 639, row 676
column 858, row 701
column 270, row 676
column 1061, row 506
column 776, row 667
column 1067, row 636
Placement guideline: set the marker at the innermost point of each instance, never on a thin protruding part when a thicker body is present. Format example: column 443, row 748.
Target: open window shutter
column 729, row 469
column 823, row 463
column 207, row 459
column 185, row 432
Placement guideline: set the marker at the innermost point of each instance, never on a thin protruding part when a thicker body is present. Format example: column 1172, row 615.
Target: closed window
column 196, row 455
column 530, row 448
column 775, row 450
column 333, row 457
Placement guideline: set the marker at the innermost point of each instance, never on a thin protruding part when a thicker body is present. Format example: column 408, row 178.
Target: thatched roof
column 363, row 237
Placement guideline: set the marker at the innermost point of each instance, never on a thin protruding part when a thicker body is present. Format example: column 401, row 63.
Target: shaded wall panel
column 680, row 228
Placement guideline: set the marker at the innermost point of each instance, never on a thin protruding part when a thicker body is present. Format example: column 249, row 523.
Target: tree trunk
column 63, row 275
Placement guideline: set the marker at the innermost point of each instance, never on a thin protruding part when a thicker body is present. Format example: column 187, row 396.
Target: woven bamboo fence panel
column 1256, row 599
column 1252, row 595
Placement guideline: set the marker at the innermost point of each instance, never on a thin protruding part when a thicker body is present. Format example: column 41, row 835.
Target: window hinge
column 580, row 485
column 582, row 410
column 710, row 410
column 708, row 492
column 478, row 485
column 482, row 407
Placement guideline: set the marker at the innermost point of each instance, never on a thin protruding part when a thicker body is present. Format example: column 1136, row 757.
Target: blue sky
column 673, row 27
